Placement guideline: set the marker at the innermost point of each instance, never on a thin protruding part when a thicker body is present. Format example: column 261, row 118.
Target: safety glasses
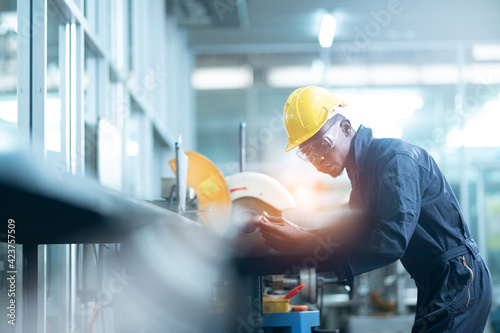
column 315, row 151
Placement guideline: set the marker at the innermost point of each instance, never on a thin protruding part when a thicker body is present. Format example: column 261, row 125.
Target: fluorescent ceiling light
column 482, row 73
column 439, row 74
column 222, row 78
column 375, row 106
column 485, row 123
column 347, row 76
column 327, row 30
column 486, row 52
column 317, row 68
column 393, row 74
column 293, row 76
column 384, row 112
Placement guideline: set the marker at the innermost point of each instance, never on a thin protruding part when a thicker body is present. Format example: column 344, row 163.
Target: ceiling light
column 293, row 76
column 484, row 74
column 486, row 52
column 347, row 76
column 222, row 78
column 394, row 74
column 327, row 30
column 132, row 148
column 439, row 74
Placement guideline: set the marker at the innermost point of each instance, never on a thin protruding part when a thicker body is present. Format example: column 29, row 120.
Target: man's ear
column 346, row 127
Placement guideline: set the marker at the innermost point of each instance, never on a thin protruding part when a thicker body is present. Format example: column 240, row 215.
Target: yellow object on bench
column 273, row 305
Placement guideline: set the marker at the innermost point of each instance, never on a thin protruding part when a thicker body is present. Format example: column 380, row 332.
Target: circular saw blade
column 214, row 202
column 241, row 234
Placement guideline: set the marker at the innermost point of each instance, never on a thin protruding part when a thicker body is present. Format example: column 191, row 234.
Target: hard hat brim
column 300, row 141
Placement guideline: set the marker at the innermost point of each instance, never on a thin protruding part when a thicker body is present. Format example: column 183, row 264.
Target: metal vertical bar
column 178, row 176
column 73, row 78
column 243, row 147
column 38, row 76
column 252, row 119
column 24, row 74
column 256, row 297
column 79, row 144
column 65, row 93
column 42, row 288
column 72, row 288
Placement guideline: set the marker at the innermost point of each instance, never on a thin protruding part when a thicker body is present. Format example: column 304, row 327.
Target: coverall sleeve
column 394, row 216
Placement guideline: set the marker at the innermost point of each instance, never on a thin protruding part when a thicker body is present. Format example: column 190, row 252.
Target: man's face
column 332, row 161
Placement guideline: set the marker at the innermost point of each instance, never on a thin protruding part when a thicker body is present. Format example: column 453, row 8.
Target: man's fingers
column 272, row 218
column 265, row 225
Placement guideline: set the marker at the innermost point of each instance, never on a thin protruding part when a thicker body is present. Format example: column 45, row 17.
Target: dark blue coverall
column 411, row 214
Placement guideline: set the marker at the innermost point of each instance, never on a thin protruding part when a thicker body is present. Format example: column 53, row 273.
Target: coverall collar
column 362, row 141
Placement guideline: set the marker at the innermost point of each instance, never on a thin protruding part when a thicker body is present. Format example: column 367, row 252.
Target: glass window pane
column 8, row 74
column 57, row 83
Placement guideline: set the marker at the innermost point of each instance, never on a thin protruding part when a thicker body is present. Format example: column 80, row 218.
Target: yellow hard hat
column 306, row 111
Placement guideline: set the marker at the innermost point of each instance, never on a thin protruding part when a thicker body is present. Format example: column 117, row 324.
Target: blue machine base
column 298, row 322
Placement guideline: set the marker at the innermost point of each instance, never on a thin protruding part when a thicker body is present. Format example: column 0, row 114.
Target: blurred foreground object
column 158, row 251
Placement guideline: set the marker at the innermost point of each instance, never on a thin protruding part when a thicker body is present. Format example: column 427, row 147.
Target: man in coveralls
column 402, row 208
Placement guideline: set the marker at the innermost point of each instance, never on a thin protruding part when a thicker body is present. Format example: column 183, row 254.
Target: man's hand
column 282, row 235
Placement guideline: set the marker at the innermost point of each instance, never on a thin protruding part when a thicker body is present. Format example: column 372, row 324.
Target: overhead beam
column 244, row 48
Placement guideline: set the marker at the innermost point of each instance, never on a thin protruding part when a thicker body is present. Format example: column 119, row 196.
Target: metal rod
column 242, row 147
column 178, row 177
column 256, row 297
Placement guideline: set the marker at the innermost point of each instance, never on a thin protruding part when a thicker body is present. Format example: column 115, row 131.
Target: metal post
column 24, row 74
column 178, row 177
column 38, row 76
column 242, row 147
column 33, row 313
column 256, row 297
